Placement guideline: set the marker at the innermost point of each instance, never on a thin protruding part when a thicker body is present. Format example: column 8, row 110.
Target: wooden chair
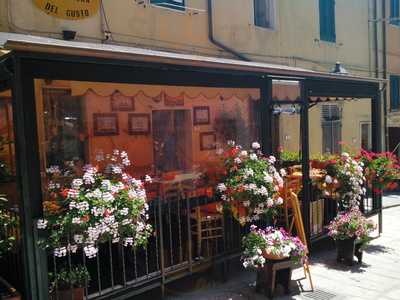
column 208, row 228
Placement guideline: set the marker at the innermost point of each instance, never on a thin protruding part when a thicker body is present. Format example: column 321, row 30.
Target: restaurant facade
column 74, row 101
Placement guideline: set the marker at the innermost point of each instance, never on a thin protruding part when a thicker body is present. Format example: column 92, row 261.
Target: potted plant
column 69, row 283
column 344, row 178
column 251, row 183
column 261, row 245
column 347, row 229
column 90, row 205
column 8, row 224
column 382, row 170
column 289, row 158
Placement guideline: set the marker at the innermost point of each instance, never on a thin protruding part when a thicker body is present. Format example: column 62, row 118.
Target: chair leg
column 198, row 228
column 307, row 270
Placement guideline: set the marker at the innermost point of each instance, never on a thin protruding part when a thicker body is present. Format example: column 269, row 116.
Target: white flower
column 270, row 203
column 221, row 187
column 243, row 153
column 124, row 211
column 53, row 170
column 268, row 178
column 106, row 184
column 76, row 220
column 231, row 143
column 345, row 155
column 279, row 201
column 255, row 145
column 60, row 252
column 283, row 172
column 72, row 193
column 78, row 238
column 42, row 224
column 237, row 160
column 253, row 156
column 76, row 183
column 328, row 179
column 272, row 159
column 90, row 251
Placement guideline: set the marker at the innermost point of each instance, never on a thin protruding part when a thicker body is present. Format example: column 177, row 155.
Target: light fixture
column 339, row 69
column 68, row 35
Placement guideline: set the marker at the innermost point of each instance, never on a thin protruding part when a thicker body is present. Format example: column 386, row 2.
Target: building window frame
column 170, row 4
column 327, row 20
column 366, row 125
column 394, row 92
column 395, row 12
column 269, row 18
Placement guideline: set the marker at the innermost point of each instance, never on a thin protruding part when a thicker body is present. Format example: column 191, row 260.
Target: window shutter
column 394, row 92
column 327, row 20
column 395, row 11
column 322, row 19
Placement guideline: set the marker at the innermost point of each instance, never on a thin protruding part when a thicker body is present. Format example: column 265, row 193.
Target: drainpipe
column 384, row 67
column 376, row 57
column 214, row 41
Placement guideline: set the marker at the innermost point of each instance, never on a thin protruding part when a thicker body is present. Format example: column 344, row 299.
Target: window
column 264, row 13
column 327, row 20
column 174, row 4
column 394, row 92
column 331, row 129
column 395, row 12
column 366, row 136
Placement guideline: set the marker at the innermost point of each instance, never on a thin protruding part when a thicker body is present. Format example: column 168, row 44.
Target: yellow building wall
column 294, row 41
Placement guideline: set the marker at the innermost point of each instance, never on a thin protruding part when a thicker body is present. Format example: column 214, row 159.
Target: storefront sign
column 69, row 9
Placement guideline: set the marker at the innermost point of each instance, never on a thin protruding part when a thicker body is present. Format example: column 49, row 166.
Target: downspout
column 214, row 41
column 376, row 57
column 384, row 67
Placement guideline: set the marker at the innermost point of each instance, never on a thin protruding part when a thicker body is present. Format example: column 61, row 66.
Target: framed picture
column 139, row 124
column 105, row 124
column 119, row 102
column 208, row 141
column 201, row 115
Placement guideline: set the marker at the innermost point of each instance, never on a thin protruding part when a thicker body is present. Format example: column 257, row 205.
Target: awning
column 29, row 43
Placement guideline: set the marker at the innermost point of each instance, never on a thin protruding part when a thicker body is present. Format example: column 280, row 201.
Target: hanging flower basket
column 250, row 187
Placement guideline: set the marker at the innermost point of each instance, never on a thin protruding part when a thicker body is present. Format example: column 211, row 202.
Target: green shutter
column 327, row 20
column 394, row 92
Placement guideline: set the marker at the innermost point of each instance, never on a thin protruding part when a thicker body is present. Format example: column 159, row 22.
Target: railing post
column 376, row 116
column 305, row 155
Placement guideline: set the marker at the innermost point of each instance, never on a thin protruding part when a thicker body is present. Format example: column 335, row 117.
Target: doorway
column 172, row 132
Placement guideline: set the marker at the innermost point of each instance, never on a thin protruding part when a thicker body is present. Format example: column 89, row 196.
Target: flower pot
column 75, row 293
column 345, row 250
column 359, row 251
column 270, row 256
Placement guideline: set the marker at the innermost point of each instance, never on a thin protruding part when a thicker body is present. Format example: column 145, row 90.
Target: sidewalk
column 377, row 278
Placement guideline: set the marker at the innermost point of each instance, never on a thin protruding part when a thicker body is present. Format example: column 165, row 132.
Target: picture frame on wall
column 201, row 115
column 105, row 124
column 208, row 141
column 139, row 124
column 120, row 102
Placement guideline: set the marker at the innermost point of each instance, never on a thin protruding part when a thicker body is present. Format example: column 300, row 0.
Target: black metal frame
column 28, row 66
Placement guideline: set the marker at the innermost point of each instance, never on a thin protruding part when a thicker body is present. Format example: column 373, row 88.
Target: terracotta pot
column 75, row 293
column 271, row 256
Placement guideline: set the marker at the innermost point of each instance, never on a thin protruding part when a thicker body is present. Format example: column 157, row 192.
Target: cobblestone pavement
column 378, row 277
